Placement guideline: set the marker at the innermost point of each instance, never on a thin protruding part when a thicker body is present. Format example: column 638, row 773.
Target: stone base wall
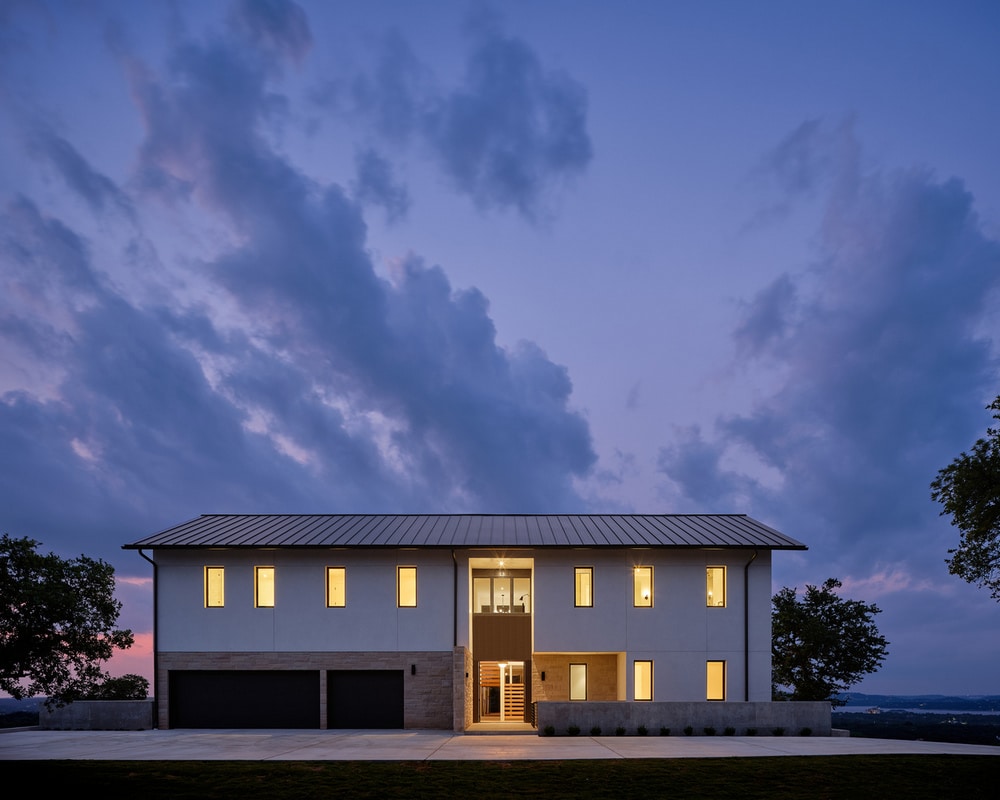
column 98, row 715
column 428, row 695
column 462, row 689
column 764, row 718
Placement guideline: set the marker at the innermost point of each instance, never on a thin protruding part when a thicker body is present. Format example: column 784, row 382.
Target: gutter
column 746, row 627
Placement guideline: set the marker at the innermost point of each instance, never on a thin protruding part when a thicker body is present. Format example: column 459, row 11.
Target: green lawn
column 785, row 777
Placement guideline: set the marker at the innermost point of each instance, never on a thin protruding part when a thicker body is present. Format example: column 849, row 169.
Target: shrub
column 806, row 732
column 573, row 730
column 778, row 731
column 619, row 731
column 730, row 731
column 710, row 731
column 642, row 730
column 751, row 732
column 595, row 731
column 127, row 687
column 664, row 731
column 688, row 730
column 550, row 730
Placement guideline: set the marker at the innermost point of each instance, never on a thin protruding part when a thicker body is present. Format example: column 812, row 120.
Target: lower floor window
column 716, row 680
column 643, row 674
column 577, row 681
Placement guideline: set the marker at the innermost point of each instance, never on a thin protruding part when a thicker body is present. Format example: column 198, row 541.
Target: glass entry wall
column 501, row 691
column 506, row 593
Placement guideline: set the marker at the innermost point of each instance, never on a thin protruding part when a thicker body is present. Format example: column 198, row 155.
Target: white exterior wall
column 679, row 633
column 300, row 620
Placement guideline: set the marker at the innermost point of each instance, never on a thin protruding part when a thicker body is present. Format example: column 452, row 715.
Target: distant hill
column 988, row 702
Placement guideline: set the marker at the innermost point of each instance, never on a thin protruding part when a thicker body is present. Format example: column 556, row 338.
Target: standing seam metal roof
column 470, row 530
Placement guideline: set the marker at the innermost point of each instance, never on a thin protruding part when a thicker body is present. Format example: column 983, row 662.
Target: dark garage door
column 369, row 698
column 244, row 699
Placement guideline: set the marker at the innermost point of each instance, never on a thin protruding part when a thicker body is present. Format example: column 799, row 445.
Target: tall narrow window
column 715, row 592
column 577, row 681
column 406, row 587
column 336, row 587
column 263, row 587
column 215, row 587
column 584, row 592
column 643, row 673
column 642, row 584
column 716, row 680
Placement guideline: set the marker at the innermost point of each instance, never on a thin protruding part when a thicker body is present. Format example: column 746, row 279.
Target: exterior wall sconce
column 543, row 674
column 413, row 669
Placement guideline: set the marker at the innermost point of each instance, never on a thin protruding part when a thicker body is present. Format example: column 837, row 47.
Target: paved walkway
column 297, row 745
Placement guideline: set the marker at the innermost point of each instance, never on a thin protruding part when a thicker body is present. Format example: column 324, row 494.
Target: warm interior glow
column 407, row 587
column 577, row 681
column 716, row 680
column 336, row 587
column 715, row 594
column 643, row 673
column 584, row 586
column 264, row 587
column 215, row 585
column 643, row 587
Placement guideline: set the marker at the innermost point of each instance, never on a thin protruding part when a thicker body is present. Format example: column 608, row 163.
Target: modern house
column 445, row 621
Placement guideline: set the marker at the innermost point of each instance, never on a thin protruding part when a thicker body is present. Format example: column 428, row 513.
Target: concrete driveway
column 299, row 745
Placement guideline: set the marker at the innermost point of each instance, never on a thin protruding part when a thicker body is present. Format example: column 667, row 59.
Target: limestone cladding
column 462, row 689
column 602, row 675
column 428, row 695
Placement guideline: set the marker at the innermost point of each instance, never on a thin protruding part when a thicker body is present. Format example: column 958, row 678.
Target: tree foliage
column 57, row 622
column 822, row 644
column 969, row 491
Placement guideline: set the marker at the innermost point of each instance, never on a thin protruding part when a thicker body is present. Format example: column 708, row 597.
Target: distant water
column 977, row 711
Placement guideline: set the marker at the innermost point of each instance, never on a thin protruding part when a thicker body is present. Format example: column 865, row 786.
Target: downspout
column 454, row 604
column 746, row 627
column 156, row 641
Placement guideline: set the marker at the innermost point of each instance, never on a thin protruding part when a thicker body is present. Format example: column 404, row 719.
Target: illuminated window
column 716, row 680
column 263, row 587
column 577, row 681
column 406, row 587
column 643, row 673
column 642, row 583
column 336, row 589
column 215, row 587
column 715, row 586
column 584, row 592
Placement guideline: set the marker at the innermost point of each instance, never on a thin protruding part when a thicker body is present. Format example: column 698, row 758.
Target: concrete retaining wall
column 764, row 718
column 99, row 715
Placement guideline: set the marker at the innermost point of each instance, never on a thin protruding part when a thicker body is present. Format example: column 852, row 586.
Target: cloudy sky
column 555, row 256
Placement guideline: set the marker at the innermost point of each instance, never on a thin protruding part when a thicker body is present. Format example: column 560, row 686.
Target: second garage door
column 371, row 698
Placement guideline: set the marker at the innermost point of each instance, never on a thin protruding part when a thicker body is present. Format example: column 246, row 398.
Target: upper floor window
column 406, row 587
column 715, row 680
column 263, row 587
column 215, row 587
column 715, row 592
column 584, row 587
column 506, row 593
column 336, row 587
column 643, row 674
column 642, row 587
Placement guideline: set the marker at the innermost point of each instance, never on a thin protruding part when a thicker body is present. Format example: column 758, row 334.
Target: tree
column 969, row 491
column 57, row 622
column 822, row 644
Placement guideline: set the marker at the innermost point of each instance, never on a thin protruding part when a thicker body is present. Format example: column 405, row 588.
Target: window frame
column 638, row 570
column 213, row 575
column 343, row 591
column 578, row 572
column 583, row 666
column 257, row 571
column 399, row 586
column 708, row 603
column 635, row 679
column 709, row 680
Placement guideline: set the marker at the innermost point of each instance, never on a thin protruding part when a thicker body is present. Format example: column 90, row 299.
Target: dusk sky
column 547, row 256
